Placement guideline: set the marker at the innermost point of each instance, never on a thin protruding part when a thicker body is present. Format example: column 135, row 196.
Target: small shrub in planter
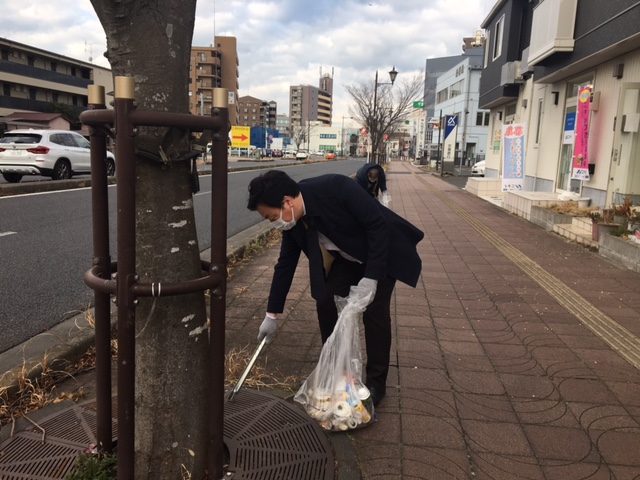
column 596, row 216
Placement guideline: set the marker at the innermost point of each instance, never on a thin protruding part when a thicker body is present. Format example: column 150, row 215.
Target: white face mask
column 280, row 224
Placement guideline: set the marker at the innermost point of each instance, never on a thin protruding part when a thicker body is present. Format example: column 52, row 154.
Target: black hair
column 270, row 188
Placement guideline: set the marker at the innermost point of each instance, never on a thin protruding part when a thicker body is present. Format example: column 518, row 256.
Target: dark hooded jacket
column 372, row 188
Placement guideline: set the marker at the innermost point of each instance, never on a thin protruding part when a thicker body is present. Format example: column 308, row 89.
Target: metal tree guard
column 123, row 121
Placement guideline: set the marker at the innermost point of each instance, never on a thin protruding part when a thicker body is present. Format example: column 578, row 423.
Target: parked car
column 478, row 169
column 330, row 155
column 58, row 154
column 302, row 155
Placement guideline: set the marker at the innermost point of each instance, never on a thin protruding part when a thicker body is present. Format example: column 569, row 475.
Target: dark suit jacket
column 348, row 216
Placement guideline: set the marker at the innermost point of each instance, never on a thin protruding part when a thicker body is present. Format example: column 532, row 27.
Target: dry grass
column 37, row 391
column 236, row 362
column 251, row 249
column 571, row 208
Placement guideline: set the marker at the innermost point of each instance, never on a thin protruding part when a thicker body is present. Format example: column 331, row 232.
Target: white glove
column 363, row 293
column 267, row 328
column 385, row 199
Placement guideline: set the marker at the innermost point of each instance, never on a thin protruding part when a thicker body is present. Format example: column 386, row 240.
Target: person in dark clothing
column 372, row 178
column 330, row 217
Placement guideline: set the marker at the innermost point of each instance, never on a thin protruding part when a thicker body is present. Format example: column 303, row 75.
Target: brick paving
column 492, row 377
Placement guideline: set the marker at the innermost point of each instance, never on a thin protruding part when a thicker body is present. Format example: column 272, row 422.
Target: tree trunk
column 151, row 41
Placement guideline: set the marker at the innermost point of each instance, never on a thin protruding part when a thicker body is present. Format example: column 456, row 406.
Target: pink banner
column 580, row 150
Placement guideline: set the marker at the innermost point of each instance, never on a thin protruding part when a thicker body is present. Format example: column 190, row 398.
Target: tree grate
column 266, row 438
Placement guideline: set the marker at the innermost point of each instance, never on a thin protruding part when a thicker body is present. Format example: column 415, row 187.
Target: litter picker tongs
column 244, row 375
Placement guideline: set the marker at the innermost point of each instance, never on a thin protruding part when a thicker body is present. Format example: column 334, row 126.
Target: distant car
column 58, row 154
column 302, row 155
column 277, row 153
column 330, row 155
column 478, row 169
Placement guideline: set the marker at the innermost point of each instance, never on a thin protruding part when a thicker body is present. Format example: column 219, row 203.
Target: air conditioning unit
column 511, row 73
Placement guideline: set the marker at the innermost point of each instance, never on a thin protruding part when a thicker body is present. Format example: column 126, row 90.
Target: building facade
column 311, row 104
column 569, row 72
column 457, row 92
column 283, row 125
column 434, row 68
column 253, row 112
column 35, row 80
column 214, row 67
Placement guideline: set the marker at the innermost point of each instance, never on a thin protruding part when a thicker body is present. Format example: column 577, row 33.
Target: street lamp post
column 392, row 76
column 342, row 136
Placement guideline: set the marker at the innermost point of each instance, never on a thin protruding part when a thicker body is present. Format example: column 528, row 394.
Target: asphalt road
column 46, row 246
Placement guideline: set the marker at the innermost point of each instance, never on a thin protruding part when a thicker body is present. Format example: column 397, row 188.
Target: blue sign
column 570, row 122
column 450, row 122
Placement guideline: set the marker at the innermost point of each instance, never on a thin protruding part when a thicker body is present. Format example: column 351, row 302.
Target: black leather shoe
column 376, row 395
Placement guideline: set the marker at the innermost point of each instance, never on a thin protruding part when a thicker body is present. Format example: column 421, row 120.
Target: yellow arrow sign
column 240, row 137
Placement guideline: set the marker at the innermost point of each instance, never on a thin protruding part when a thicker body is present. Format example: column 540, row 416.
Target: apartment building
column 35, row 80
column 311, row 104
column 283, row 125
column 215, row 66
column 568, row 73
column 254, row 112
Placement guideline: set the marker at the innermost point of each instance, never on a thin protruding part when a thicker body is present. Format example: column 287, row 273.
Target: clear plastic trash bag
column 334, row 394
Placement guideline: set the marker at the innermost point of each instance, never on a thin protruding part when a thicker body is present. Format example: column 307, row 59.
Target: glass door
column 566, row 152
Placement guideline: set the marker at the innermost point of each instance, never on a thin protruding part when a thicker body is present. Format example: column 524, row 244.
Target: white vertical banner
column 513, row 157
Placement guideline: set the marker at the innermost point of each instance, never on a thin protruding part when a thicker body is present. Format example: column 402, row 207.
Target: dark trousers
column 376, row 318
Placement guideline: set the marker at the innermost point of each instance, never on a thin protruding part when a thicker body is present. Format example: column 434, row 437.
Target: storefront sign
column 513, row 157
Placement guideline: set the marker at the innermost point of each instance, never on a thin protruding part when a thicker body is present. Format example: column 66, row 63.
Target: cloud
column 284, row 42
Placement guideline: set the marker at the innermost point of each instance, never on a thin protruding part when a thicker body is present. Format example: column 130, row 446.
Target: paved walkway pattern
column 515, row 357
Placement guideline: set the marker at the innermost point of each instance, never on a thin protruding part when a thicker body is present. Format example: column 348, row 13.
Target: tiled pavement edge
column 493, row 377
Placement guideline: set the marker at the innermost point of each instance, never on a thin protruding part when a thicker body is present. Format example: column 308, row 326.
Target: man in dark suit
column 350, row 239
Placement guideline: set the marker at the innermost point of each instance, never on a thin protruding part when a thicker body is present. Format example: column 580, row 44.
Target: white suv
column 58, row 154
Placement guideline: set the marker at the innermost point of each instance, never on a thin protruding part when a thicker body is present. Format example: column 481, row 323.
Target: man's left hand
column 364, row 292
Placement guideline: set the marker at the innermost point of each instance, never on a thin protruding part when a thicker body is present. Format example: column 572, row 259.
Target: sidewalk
column 517, row 356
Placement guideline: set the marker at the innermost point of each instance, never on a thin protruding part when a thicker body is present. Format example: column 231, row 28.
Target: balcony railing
column 41, row 74
column 552, row 29
column 28, row 104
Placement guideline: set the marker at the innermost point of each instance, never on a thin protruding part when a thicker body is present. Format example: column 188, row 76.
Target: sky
column 280, row 42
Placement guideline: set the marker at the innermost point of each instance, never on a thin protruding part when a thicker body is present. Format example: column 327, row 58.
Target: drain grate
column 266, row 437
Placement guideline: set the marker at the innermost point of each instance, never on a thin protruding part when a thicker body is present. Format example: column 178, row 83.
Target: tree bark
column 151, row 41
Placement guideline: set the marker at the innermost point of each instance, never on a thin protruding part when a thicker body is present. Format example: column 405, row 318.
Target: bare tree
column 151, row 41
column 299, row 135
column 393, row 106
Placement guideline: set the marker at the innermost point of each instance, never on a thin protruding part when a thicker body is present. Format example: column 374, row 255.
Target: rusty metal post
column 126, row 276
column 125, row 118
column 219, row 167
column 102, row 262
